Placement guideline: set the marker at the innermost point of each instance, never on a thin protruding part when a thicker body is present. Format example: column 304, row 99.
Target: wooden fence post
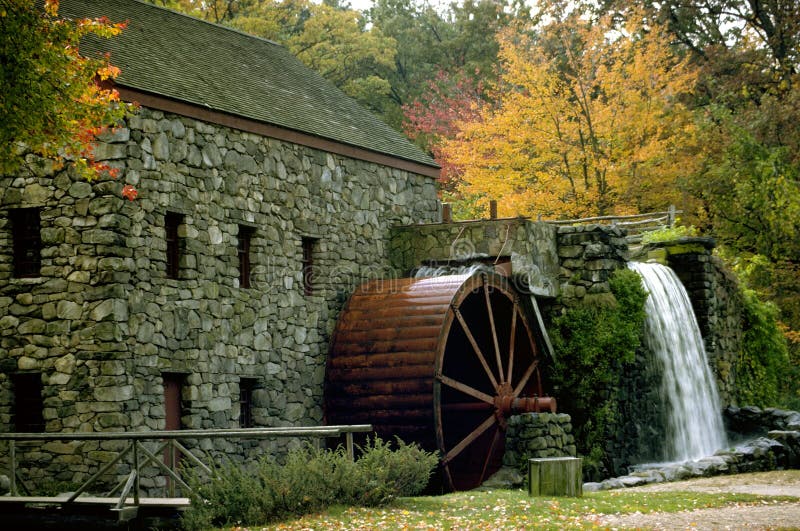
column 12, row 456
column 447, row 213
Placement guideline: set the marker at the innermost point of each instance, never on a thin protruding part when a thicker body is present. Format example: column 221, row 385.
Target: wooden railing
column 166, row 441
column 635, row 224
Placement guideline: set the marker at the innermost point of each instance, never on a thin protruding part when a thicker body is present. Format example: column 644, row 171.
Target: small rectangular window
column 172, row 221
column 245, row 236
column 27, row 241
column 28, row 402
column 308, row 265
column 173, row 403
column 246, row 387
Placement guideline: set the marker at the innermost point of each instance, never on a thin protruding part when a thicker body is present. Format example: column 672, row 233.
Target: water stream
column 688, row 389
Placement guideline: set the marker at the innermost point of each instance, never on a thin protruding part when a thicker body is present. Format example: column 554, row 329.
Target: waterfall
column 688, row 388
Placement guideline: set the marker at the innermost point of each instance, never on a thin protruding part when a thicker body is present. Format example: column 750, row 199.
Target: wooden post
column 493, row 209
column 350, row 450
column 12, row 456
column 171, row 465
column 555, row 476
column 136, row 467
column 671, row 216
column 447, row 213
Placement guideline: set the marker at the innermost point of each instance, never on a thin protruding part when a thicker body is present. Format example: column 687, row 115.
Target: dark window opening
column 173, row 405
column 171, row 223
column 245, row 236
column 308, row 265
column 246, row 387
column 27, row 241
column 28, row 403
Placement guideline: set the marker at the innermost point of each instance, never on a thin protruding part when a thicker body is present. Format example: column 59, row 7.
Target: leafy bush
column 309, row 480
column 763, row 369
column 668, row 234
column 593, row 345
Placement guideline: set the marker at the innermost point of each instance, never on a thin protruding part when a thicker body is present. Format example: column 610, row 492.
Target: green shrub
column 401, row 472
column 310, row 479
column 668, row 234
column 593, row 345
column 763, row 370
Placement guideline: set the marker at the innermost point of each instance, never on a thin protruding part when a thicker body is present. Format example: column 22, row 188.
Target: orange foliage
column 595, row 128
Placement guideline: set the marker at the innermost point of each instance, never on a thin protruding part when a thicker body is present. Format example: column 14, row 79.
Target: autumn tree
column 583, row 123
column 52, row 100
column 456, row 39
column 434, row 117
column 334, row 41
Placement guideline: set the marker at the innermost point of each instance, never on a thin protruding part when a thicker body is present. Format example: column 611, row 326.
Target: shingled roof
column 172, row 55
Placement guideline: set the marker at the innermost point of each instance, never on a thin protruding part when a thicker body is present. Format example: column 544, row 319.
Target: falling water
column 688, row 388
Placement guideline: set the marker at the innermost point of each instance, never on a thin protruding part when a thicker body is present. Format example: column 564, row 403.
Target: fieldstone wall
column 588, row 254
column 537, row 435
column 716, row 300
column 103, row 324
column 531, row 247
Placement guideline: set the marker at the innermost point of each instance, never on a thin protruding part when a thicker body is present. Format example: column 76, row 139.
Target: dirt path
column 785, row 515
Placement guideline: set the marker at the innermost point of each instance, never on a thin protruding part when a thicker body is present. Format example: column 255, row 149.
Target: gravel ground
column 784, row 515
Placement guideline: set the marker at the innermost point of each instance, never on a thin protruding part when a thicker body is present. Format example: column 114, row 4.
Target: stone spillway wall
column 103, row 325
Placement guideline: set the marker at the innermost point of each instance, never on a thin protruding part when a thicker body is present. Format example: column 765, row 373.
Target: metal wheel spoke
column 466, row 389
column 490, row 453
column 512, row 341
column 525, row 377
column 475, row 347
column 494, row 332
column 469, row 439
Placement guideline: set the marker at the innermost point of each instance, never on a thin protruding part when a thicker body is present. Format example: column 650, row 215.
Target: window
column 245, row 235
column 308, row 265
column 173, row 406
column 27, row 241
column 246, row 387
column 28, row 403
column 171, row 223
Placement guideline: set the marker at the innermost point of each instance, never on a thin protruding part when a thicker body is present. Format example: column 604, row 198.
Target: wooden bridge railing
column 168, row 441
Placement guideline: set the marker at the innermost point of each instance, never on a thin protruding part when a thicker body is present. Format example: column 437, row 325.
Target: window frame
column 246, row 388
column 172, row 223
column 308, row 245
column 26, row 236
column 28, row 410
column 243, row 247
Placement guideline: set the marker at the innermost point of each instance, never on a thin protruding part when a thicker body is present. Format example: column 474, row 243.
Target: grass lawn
column 509, row 509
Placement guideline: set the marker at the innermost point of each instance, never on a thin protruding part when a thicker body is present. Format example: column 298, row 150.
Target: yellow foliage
column 596, row 128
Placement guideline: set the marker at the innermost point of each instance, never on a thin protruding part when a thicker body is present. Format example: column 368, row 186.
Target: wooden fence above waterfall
column 636, row 225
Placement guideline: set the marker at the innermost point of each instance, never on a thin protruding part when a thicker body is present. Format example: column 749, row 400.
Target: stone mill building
column 265, row 196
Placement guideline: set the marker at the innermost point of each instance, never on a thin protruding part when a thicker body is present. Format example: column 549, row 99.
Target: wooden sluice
column 125, row 503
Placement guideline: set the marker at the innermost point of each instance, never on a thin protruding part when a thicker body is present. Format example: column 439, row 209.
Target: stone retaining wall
column 588, row 255
column 536, row 435
column 530, row 246
column 103, row 324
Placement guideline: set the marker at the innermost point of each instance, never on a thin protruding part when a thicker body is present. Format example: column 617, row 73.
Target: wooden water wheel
column 438, row 361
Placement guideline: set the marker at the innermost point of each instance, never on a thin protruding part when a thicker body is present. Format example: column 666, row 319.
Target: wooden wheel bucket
column 438, row 361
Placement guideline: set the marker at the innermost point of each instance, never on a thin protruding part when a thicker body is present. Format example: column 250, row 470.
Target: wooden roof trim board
column 161, row 103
